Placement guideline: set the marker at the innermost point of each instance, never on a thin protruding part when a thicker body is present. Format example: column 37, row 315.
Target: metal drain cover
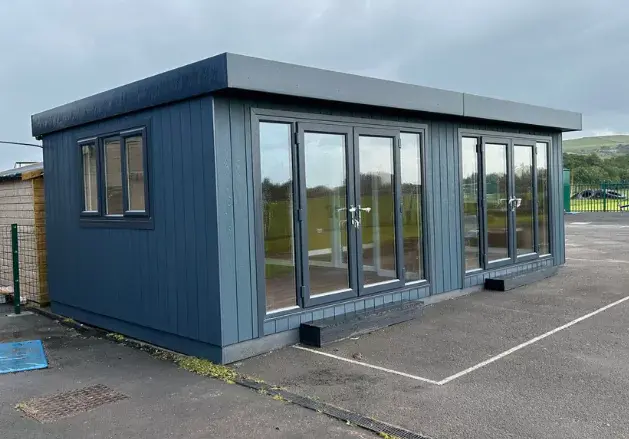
column 63, row 405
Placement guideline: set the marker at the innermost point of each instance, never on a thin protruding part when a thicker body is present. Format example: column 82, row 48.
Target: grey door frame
column 352, row 239
column 277, row 114
column 514, row 138
column 535, row 253
column 394, row 135
column 510, row 259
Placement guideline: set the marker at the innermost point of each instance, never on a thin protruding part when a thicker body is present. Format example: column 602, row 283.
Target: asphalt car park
column 547, row 360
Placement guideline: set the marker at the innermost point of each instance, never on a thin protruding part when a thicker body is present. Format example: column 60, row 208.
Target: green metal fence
column 602, row 197
column 22, row 266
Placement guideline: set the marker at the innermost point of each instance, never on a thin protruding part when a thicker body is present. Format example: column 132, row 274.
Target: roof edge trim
column 232, row 71
column 199, row 78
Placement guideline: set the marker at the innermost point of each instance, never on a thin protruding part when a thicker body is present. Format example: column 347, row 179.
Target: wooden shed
column 22, row 203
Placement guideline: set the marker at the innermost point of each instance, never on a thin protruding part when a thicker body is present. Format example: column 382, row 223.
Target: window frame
column 548, row 196
column 513, row 138
column 125, row 173
column 422, row 133
column 103, row 158
column 89, row 213
column 129, row 218
column 265, row 114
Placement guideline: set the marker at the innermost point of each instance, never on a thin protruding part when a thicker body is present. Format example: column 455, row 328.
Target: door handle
column 513, row 203
column 355, row 216
column 360, row 210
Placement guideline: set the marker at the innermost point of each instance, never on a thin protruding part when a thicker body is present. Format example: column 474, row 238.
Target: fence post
column 604, row 188
column 16, row 269
column 566, row 190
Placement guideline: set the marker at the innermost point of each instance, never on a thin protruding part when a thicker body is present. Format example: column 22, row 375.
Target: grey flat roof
column 238, row 72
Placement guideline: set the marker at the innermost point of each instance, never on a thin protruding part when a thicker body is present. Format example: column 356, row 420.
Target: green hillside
column 603, row 145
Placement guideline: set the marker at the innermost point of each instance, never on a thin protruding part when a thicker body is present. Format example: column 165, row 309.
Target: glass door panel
column 276, row 173
column 376, row 209
column 327, row 231
column 496, row 185
column 471, row 209
column 543, row 207
column 411, row 198
column 523, row 204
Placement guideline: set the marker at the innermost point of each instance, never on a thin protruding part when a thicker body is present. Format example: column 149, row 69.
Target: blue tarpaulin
column 22, row 355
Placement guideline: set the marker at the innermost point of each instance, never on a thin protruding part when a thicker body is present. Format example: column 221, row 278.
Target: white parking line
column 530, row 342
column 479, row 365
column 598, row 226
column 371, row 366
column 611, row 261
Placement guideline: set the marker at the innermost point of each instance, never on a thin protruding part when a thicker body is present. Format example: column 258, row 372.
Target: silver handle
column 360, row 210
column 355, row 216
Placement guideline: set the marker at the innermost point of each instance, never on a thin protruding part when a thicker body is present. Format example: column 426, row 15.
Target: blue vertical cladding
column 236, row 210
column 235, row 222
column 164, row 278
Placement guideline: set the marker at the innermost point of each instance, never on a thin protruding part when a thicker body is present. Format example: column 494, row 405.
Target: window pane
column 135, row 173
column 411, row 178
column 496, row 185
column 326, row 210
column 471, row 210
column 377, row 211
column 90, row 180
column 113, row 177
column 543, row 209
column 277, row 215
column 523, row 176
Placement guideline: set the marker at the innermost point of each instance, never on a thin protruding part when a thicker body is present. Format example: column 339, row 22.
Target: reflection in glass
column 135, row 173
column 377, row 212
column 523, row 194
column 411, row 177
column 496, row 186
column 471, row 212
column 90, row 180
column 543, row 212
column 326, row 211
column 113, row 177
column 277, row 215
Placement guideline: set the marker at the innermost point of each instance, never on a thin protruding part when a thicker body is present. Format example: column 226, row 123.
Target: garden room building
column 214, row 208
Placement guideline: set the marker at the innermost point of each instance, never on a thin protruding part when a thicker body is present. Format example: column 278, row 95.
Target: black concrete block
column 509, row 282
column 321, row 332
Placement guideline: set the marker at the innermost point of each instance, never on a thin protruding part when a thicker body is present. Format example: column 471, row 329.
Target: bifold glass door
column 340, row 211
column 349, row 187
column 503, row 220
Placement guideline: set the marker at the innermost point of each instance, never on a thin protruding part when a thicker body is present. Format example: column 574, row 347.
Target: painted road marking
column 610, row 261
column 531, row 341
column 371, row 366
column 598, row 226
column 479, row 365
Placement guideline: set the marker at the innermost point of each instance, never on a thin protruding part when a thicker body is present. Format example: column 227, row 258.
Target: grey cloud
column 563, row 53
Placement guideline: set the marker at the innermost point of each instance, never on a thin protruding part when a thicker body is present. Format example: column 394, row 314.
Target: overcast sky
column 568, row 54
